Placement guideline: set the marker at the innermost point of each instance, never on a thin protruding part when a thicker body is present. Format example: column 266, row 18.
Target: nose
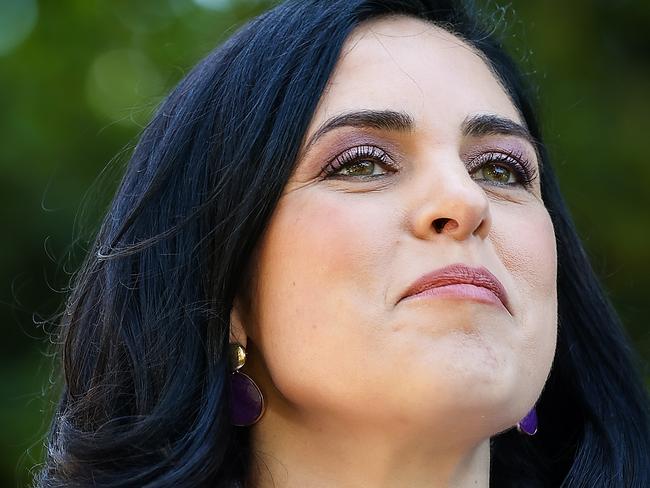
column 450, row 203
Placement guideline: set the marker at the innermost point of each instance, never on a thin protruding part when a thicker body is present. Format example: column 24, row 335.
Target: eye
column 497, row 173
column 364, row 167
column 360, row 162
column 502, row 169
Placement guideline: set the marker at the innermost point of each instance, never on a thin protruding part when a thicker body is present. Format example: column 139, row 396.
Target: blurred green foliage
column 79, row 79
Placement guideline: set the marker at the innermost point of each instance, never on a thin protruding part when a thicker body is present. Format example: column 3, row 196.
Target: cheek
column 319, row 247
column 317, row 275
column 525, row 243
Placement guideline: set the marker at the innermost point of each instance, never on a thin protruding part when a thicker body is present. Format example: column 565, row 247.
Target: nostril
column 444, row 224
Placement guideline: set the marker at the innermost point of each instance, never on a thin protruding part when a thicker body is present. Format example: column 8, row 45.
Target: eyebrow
column 491, row 124
column 389, row 120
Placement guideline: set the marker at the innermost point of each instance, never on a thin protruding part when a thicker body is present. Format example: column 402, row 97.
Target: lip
column 459, row 281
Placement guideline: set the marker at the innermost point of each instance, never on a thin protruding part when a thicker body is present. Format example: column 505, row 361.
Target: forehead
column 406, row 64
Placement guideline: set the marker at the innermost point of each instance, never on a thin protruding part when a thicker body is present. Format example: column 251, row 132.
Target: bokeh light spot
column 17, row 20
column 214, row 4
column 123, row 86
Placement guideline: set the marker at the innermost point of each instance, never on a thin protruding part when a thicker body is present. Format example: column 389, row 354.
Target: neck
column 289, row 454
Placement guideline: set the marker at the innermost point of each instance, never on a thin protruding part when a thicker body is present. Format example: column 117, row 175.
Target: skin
column 362, row 388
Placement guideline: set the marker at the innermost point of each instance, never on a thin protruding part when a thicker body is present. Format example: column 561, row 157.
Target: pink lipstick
column 459, row 281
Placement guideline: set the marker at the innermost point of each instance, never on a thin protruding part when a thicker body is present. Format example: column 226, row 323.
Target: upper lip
column 458, row 274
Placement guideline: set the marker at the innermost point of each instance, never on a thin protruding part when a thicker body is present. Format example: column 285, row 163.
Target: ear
column 237, row 330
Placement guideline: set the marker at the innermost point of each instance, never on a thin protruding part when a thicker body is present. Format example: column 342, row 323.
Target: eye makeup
column 503, row 151
column 358, row 154
column 525, row 172
column 369, row 156
column 343, row 147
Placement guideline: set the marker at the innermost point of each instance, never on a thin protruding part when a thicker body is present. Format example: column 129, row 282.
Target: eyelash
column 524, row 171
column 357, row 154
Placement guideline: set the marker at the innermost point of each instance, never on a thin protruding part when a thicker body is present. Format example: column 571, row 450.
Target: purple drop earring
column 246, row 400
column 528, row 425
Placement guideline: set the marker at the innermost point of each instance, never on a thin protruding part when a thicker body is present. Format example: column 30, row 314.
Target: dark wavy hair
column 144, row 334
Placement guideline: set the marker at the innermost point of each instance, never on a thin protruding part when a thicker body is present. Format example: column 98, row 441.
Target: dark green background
column 76, row 90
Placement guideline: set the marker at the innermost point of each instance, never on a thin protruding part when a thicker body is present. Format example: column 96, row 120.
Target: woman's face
column 415, row 160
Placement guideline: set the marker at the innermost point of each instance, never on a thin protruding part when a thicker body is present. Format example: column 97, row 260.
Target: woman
column 339, row 257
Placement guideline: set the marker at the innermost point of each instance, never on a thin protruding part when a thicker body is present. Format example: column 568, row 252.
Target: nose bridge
column 450, row 201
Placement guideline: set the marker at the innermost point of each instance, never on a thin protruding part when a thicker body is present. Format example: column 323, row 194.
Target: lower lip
column 462, row 291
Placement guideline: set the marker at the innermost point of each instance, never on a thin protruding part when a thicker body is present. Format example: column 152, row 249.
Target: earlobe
column 237, row 331
column 246, row 399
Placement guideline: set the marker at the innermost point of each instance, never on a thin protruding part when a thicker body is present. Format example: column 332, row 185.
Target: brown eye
column 361, row 162
column 361, row 168
column 505, row 169
column 498, row 173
